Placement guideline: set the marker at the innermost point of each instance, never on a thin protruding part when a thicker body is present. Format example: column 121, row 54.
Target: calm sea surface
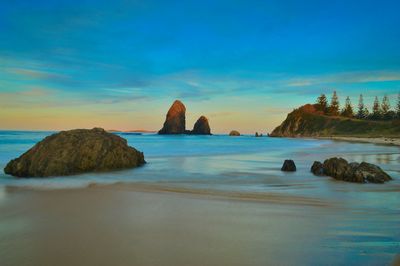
column 363, row 226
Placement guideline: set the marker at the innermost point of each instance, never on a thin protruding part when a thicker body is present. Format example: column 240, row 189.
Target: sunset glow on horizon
column 244, row 65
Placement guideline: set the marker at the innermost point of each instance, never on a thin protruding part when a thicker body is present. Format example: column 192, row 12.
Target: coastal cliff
column 307, row 121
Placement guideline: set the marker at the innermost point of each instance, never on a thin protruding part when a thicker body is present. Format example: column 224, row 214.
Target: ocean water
column 241, row 163
column 362, row 220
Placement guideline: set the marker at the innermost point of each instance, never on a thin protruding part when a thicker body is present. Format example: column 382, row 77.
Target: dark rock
column 317, row 168
column 289, row 166
column 371, row 173
column 257, row 135
column 234, row 133
column 175, row 122
column 201, row 127
column 354, row 165
column 75, row 151
column 340, row 169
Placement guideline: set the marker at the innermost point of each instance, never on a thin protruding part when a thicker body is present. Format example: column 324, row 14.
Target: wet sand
column 151, row 225
column 380, row 141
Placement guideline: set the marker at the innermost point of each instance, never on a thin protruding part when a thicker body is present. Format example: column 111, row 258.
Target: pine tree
column 376, row 109
column 361, row 108
column 334, row 107
column 322, row 103
column 348, row 109
column 385, row 107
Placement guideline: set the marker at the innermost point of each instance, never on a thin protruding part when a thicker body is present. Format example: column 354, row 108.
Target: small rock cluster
column 340, row 169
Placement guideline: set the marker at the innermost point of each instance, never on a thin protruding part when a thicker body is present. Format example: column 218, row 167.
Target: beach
column 203, row 200
column 379, row 141
column 122, row 225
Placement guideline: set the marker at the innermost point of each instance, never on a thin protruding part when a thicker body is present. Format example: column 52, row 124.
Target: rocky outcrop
column 201, row 127
column 234, row 133
column 317, row 168
column 340, row 169
column 289, row 166
column 73, row 152
column 371, row 173
column 175, row 122
column 307, row 121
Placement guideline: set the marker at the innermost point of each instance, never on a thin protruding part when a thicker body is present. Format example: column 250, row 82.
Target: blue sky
column 244, row 64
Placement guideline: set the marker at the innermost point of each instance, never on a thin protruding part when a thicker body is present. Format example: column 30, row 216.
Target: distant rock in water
column 307, row 121
column 201, row 127
column 340, row 169
column 234, row 133
column 73, row 152
column 175, row 122
column 289, row 166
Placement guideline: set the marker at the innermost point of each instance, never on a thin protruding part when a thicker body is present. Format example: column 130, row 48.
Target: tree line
column 380, row 110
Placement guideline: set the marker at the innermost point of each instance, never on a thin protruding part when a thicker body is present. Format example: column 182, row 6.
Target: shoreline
column 372, row 140
column 197, row 193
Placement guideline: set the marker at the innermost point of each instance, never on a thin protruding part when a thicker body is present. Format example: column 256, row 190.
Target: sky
column 244, row 64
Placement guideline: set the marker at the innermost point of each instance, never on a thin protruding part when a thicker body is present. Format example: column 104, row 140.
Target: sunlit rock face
column 175, row 122
column 73, row 152
column 201, row 127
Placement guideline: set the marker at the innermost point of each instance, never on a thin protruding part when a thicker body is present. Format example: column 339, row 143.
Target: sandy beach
column 380, row 141
column 144, row 225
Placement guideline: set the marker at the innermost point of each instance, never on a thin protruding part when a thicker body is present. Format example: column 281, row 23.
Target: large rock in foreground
column 75, row 151
column 340, row 169
column 175, row 122
column 201, row 127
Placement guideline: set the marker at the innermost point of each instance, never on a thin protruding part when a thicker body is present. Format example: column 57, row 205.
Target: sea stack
column 175, row 122
column 74, row 152
column 201, row 127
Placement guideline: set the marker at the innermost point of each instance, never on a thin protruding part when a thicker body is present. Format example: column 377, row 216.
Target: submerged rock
column 289, row 166
column 175, row 122
column 340, row 169
column 75, row 151
column 234, row 133
column 201, row 127
column 317, row 168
